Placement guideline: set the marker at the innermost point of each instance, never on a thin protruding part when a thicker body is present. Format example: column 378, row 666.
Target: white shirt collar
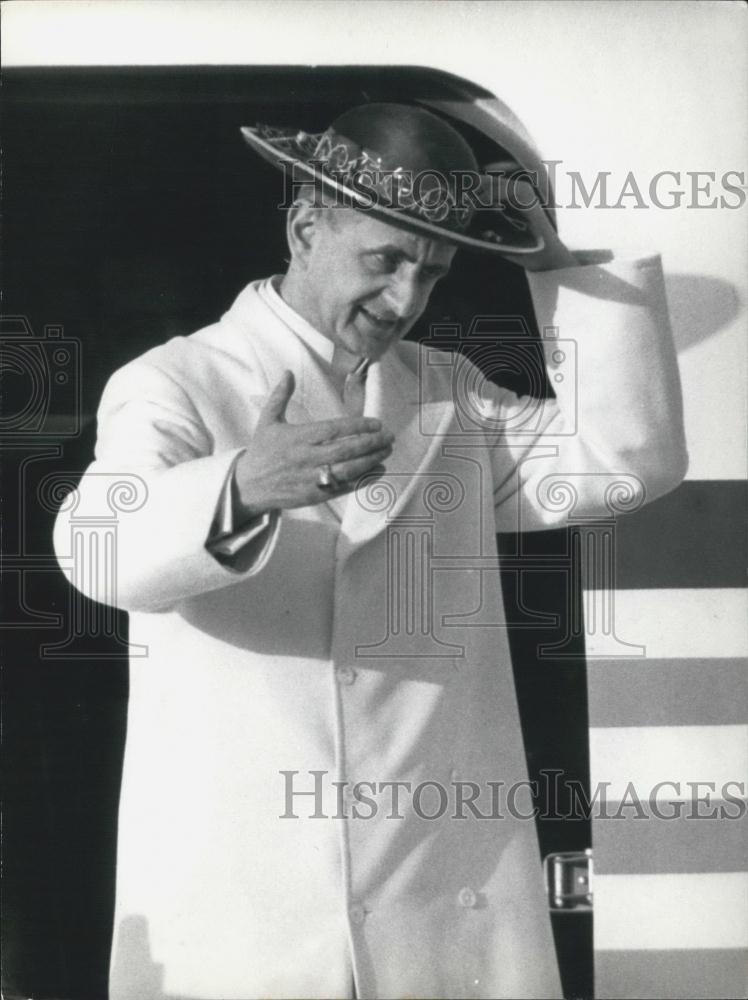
column 322, row 346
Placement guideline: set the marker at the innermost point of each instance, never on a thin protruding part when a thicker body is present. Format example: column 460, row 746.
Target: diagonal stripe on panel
column 669, row 734
column 708, row 974
column 681, row 691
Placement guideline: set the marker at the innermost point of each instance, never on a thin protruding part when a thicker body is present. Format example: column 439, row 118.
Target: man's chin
column 375, row 348
column 372, row 344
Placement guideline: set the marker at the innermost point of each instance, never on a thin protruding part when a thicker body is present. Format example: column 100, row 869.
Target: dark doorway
column 134, row 213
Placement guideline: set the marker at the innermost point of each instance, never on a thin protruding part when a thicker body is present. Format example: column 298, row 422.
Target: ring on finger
column 326, row 480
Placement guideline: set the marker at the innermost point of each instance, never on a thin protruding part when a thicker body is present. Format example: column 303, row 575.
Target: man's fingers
column 274, row 409
column 344, row 449
column 329, row 430
column 357, row 467
column 351, row 484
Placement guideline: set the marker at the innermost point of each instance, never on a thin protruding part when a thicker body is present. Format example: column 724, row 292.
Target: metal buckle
column 568, row 876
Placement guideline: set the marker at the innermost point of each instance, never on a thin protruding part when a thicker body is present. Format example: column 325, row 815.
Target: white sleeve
column 152, row 442
column 613, row 437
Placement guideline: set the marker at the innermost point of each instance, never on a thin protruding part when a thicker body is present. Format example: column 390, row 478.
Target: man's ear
column 302, row 224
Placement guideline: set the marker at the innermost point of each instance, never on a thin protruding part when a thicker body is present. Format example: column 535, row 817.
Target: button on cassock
column 345, row 675
column 466, row 897
column 357, row 914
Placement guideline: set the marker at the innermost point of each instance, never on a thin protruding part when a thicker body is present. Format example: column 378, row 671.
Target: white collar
column 322, row 346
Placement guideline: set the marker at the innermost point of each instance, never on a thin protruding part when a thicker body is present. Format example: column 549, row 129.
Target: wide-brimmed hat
column 409, row 167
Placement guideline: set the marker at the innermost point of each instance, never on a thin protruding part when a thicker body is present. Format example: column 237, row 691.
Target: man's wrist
column 245, row 511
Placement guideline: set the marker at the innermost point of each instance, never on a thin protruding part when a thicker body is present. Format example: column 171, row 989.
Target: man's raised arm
column 618, row 413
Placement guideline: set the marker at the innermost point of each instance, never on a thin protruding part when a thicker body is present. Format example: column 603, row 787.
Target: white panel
column 706, row 368
column 646, row 755
column 653, row 912
column 584, row 106
column 708, row 622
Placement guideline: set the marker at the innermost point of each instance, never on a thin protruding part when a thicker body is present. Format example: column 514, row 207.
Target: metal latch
column 568, row 875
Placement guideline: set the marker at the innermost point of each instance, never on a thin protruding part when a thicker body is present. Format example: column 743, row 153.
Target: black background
column 133, row 213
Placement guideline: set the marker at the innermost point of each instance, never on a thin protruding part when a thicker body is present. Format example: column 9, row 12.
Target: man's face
column 368, row 282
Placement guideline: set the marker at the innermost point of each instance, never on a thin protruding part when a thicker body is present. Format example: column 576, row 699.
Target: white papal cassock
column 362, row 641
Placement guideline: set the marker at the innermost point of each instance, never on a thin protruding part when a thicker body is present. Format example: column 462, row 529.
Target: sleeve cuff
column 232, row 543
column 225, row 541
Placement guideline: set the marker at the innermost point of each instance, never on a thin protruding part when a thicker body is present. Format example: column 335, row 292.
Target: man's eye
column 381, row 262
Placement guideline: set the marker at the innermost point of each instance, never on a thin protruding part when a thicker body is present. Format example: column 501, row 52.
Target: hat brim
column 500, row 243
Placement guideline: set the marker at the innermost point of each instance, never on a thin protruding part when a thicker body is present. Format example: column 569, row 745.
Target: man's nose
column 403, row 296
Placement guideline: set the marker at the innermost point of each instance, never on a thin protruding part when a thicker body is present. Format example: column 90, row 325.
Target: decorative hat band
column 411, row 168
column 427, row 194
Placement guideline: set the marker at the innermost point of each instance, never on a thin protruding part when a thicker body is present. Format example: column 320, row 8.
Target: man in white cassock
column 326, row 710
